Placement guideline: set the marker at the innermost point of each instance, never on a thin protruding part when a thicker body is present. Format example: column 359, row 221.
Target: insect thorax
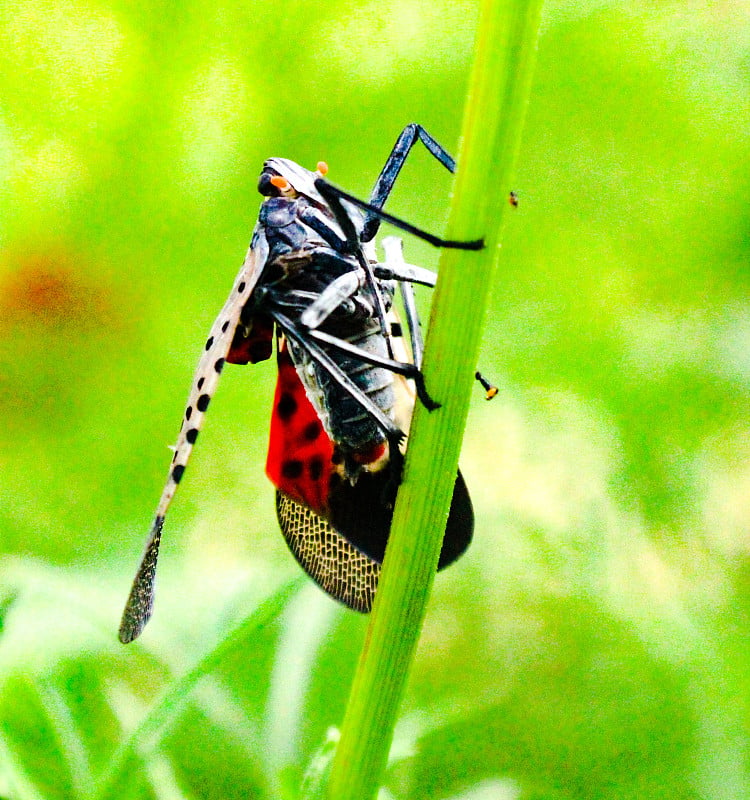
column 300, row 266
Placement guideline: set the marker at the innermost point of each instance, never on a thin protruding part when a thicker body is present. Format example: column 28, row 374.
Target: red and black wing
column 216, row 349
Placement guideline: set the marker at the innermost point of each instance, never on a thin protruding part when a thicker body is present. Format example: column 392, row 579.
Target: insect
column 311, row 280
column 513, row 199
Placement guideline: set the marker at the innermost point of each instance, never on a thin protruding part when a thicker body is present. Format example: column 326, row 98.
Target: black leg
column 392, row 167
column 328, row 190
column 332, row 196
column 317, row 354
column 399, row 367
column 406, row 273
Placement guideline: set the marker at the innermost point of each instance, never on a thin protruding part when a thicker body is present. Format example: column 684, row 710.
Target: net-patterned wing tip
column 327, row 557
column 141, row 599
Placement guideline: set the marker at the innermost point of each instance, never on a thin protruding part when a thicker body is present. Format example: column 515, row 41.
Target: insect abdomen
column 347, row 424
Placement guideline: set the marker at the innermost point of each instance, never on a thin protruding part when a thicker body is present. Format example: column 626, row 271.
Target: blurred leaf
column 75, row 724
column 598, row 711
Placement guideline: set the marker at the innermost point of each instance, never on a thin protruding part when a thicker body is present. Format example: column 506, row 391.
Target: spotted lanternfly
column 311, row 280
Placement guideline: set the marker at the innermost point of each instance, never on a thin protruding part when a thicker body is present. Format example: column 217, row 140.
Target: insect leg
column 394, row 262
column 330, row 195
column 396, row 269
column 317, row 354
column 406, row 272
column 387, row 178
column 399, row 367
column 333, row 195
column 412, row 322
column 344, row 287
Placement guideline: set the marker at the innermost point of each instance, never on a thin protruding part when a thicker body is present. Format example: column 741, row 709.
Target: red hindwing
column 299, row 450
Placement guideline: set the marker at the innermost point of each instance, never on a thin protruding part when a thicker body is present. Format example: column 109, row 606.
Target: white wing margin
column 141, row 599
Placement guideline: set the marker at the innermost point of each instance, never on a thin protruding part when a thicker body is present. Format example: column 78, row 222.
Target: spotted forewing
column 140, row 601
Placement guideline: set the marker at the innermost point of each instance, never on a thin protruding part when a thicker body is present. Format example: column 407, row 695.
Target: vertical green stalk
column 498, row 95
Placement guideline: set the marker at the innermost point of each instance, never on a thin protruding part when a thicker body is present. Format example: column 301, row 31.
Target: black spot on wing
column 201, row 381
column 192, row 435
column 286, row 406
column 312, row 430
column 241, row 287
column 225, row 326
column 292, row 469
column 219, row 365
column 315, row 468
column 188, row 412
column 177, row 473
column 203, row 402
column 209, row 342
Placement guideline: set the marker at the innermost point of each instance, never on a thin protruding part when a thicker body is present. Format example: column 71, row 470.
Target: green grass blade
column 157, row 721
column 498, row 96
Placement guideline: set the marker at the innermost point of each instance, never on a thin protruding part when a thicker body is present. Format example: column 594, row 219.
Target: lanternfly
column 312, row 282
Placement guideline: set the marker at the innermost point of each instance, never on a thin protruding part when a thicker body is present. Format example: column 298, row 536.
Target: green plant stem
column 498, row 95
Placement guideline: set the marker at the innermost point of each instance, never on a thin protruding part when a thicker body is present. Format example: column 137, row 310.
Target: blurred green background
column 593, row 643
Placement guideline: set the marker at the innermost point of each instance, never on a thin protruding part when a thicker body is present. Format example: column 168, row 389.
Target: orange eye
column 322, row 167
column 279, row 182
